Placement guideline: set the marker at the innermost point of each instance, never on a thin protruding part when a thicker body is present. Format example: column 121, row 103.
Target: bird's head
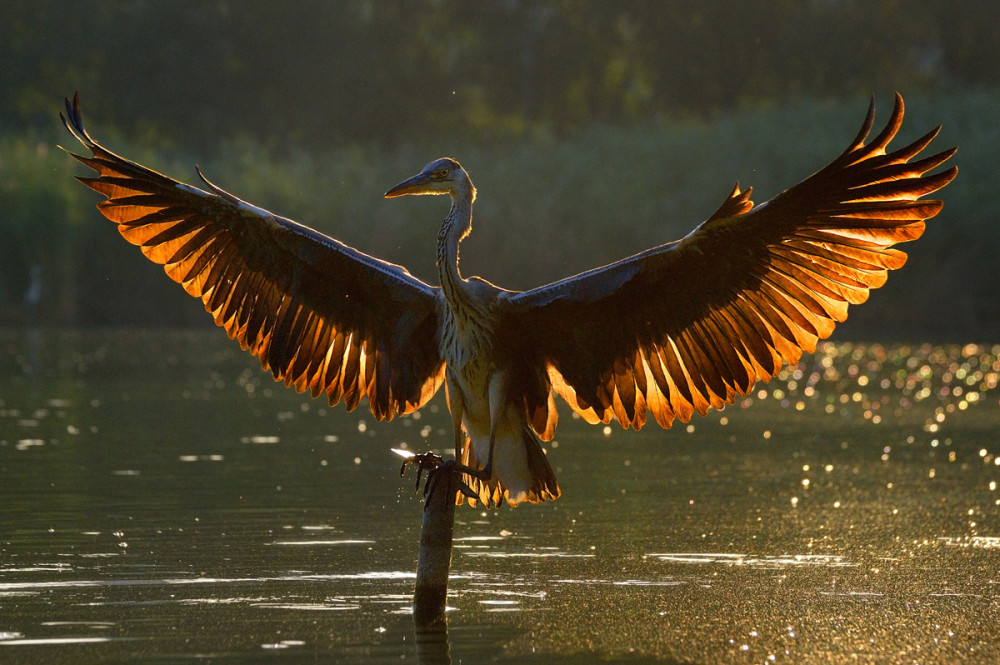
column 442, row 176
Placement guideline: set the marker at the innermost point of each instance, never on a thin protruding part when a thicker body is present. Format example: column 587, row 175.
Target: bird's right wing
column 689, row 325
column 320, row 315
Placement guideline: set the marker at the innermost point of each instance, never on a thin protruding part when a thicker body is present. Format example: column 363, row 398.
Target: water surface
column 165, row 501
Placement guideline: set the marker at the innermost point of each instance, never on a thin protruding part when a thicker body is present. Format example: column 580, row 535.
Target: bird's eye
column 442, row 174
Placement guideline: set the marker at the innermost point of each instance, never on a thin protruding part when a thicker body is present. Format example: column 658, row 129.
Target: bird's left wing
column 320, row 315
column 690, row 325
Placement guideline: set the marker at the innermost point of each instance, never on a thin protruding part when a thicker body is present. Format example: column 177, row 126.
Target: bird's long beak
column 418, row 184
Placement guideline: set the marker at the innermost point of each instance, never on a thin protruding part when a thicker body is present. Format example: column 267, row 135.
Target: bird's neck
column 456, row 226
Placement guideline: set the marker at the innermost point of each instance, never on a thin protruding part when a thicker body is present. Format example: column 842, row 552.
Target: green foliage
column 42, row 212
column 328, row 74
column 547, row 208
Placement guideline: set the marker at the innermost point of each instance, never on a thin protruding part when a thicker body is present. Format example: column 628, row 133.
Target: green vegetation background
column 592, row 130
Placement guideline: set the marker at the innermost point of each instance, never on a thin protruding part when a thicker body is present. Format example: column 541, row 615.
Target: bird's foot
column 424, row 462
column 437, row 469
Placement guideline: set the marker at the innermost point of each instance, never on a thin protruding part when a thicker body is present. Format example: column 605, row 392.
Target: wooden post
column 434, row 560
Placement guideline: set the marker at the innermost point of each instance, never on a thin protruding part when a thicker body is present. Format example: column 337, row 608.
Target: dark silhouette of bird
column 669, row 332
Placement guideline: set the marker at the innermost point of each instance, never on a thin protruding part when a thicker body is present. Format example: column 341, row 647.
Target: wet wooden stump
column 434, row 559
column 430, row 597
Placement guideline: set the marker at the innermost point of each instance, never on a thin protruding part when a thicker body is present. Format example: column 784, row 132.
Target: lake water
column 164, row 501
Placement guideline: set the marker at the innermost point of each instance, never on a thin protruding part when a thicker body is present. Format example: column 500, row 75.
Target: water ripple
column 765, row 561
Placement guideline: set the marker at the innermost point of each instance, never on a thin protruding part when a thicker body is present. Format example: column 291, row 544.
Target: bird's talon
column 424, row 462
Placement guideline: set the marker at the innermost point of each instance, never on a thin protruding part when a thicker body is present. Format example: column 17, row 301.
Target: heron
column 675, row 330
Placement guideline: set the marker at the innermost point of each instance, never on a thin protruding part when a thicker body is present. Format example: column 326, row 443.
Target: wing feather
column 688, row 326
column 319, row 315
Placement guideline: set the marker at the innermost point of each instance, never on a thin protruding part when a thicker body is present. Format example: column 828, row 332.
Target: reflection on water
column 164, row 500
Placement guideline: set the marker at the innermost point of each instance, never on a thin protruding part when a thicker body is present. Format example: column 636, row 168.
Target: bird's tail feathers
column 493, row 494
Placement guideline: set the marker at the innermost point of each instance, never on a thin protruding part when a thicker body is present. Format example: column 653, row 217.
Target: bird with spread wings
column 671, row 331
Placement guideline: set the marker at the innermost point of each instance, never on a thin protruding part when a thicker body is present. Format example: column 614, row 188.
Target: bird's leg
column 459, row 443
column 497, row 393
column 457, row 408
column 438, row 468
column 498, row 404
column 434, row 464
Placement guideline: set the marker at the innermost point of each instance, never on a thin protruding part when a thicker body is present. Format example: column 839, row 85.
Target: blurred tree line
column 322, row 72
column 593, row 129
